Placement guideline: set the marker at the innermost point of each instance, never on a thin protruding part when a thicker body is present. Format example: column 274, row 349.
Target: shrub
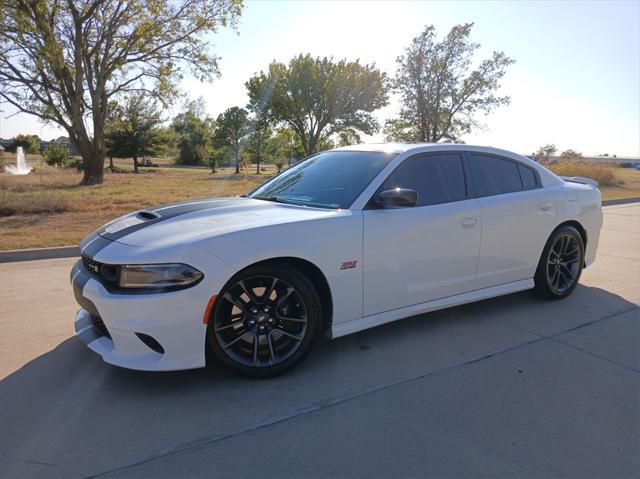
column 57, row 154
column 279, row 163
column 603, row 174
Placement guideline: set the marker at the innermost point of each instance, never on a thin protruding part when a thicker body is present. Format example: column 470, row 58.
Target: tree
column 194, row 131
column 231, row 128
column 571, row 155
column 348, row 137
column 317, row 97
column 545, row 153
column 136, row 132
column 57, row 154
column 287, row 145
column 65, row 61
column 257, row 143
column 29, row 143
column 441, row 94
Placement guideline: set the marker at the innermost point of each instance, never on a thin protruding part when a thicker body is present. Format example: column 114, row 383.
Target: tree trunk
column 258, row 166
column 92, row 158
column 237, row 161
column 111, row 163
column 93, row 166
column 135, row 164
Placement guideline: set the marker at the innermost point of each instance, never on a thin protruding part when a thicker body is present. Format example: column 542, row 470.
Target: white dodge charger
column 343, row 241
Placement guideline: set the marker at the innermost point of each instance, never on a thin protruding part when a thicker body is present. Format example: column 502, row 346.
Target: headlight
column 158, row 276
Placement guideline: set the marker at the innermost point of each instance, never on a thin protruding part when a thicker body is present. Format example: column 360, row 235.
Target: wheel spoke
column 225, row 327
column 293, row 320
column 554, row 278
column 286, row 295
column 228, row 345
column 568, row 274
column 265, row 296
column 272, row 352
column 249, row 292
column 568, row 244
column 255, row 349
column 286, row 333
column 234, row 301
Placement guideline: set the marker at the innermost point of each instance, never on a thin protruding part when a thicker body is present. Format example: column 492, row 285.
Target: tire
column 560, row 264
column 265, row 321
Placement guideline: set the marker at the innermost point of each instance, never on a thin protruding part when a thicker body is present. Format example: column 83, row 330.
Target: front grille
column 106, row 273
column 99, row 326
column 90, row 265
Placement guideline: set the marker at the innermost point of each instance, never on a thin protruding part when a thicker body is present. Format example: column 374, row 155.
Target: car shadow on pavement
column 68, row 414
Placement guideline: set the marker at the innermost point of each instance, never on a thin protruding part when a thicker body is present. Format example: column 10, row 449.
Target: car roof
column 423, row 147
column 407, row 149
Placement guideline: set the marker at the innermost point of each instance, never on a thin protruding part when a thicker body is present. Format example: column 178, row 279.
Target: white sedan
column 345, row 240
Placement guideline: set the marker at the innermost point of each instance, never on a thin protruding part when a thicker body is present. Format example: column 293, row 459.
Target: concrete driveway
column 509, row 387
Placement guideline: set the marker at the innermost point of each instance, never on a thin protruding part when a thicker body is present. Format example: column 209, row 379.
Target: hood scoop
column 148, row 215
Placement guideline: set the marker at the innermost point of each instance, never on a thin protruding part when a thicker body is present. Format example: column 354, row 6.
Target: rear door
column 517, row 218
column 430, row 251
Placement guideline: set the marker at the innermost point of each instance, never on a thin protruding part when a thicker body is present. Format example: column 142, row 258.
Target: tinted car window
column 528, row 177
column 437, row 178
column 493, row 176
column 332, row 179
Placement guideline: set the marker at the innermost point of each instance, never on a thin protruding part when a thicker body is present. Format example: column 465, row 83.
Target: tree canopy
column 136, row 132
column 194, row 131
column 441, row 93
column 318, row 97
column 65, row 61
column 545, row 152
column 30, row 143
column 231, row 127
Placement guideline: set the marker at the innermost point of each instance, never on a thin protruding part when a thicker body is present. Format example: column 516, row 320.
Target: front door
column 430, row 251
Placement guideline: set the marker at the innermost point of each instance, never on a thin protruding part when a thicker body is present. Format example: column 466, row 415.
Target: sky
column 575, row 83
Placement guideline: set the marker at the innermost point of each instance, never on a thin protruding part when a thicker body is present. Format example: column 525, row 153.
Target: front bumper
column 173, row 319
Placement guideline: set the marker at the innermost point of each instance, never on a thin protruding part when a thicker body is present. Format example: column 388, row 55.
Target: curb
column 620, row 201
column 16, row 255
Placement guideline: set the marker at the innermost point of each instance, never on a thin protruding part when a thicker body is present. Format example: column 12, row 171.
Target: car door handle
column 545, row 206
column 469, row 222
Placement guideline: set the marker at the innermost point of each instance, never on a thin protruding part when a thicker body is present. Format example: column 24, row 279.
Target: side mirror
column 397, row 198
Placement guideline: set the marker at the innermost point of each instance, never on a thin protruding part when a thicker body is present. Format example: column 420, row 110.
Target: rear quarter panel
column 582, row 203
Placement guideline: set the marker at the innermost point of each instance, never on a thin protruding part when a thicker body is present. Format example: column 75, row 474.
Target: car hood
column 180, row 223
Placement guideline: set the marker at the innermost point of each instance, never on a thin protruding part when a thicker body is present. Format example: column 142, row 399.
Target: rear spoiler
column 581, row 179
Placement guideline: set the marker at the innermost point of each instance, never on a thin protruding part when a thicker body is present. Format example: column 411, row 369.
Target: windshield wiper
column 278, row 199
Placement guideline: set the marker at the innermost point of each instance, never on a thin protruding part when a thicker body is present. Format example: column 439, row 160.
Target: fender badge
column 349, row 264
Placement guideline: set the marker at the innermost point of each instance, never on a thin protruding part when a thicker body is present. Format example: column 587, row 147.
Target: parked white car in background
column 346, row 240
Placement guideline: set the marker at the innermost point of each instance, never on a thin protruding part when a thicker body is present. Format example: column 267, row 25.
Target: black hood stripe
column 96, row 245
column 165, row 212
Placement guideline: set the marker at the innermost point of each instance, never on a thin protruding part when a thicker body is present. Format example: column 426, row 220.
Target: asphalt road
column 509, row 387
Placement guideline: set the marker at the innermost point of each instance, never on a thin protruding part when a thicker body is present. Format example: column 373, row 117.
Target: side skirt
column 348, row 327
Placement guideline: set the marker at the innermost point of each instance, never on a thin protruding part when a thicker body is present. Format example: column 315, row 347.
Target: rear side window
column 529, row 180
column 494, row 176
column 436, row 178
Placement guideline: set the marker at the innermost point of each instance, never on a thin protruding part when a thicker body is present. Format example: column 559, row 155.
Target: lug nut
column 271, row 320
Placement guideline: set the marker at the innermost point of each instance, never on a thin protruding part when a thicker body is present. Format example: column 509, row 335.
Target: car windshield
column 333, row 179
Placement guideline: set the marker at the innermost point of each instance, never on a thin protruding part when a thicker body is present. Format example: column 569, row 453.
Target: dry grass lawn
column 50, row 209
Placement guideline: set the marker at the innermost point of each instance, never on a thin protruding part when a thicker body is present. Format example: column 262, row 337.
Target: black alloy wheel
column 265, row 320
column 561, row 264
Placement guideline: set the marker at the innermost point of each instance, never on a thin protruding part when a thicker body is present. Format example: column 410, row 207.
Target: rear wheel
column 265, row 321
column 560, row 265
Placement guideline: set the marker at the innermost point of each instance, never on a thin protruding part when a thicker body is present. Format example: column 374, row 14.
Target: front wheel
column 265, row 321
column 560, row 265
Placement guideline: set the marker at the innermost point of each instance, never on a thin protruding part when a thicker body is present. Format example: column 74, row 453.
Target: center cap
column 261, row 317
